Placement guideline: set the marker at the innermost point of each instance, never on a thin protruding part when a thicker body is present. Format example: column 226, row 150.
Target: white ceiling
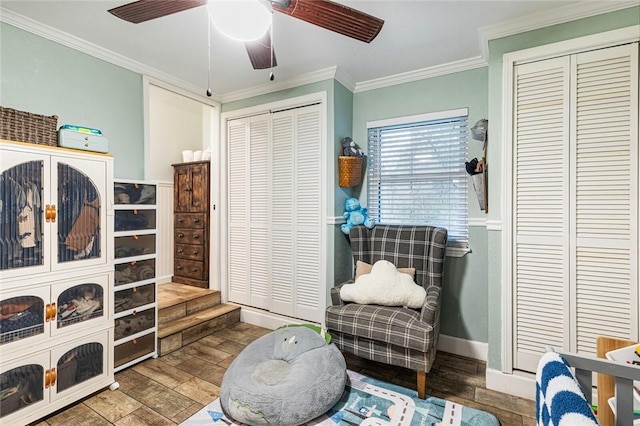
column 416, row 35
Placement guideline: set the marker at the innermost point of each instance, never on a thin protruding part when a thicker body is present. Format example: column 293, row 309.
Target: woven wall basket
column 22, row 126
column 349, row 171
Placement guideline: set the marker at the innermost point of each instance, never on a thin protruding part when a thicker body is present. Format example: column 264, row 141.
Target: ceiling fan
column 323, row 13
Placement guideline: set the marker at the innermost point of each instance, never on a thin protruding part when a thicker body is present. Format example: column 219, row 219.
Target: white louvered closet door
column 604, row 182
column 248, row 213
column 275, row 182
column 575, row 212
column 309, row 248
column 541, row 234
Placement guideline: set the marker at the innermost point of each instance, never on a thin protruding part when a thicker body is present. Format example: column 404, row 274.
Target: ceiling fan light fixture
column 243, row 20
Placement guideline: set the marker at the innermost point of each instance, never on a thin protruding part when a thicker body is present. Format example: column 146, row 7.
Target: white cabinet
column 135, row 283
column 56, row 275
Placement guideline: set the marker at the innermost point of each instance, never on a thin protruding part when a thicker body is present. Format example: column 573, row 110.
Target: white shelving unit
column 135, row 278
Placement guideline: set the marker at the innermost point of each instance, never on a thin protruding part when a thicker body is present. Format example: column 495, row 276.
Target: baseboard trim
column 519, row 383
column 463, row 347
column 164, row 279
column 266, row 319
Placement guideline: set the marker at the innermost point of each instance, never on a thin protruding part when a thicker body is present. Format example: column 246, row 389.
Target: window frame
column 455, row 249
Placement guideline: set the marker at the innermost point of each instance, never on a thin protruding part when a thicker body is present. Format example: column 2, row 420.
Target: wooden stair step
column 195, row 319
column 171, row 294
column 175, row 334
column 177, row 301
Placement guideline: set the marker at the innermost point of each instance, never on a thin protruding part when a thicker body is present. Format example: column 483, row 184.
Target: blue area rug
column 367, row 401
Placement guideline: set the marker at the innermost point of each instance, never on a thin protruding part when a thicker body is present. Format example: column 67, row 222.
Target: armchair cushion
column 386, row 286
column 394, row 325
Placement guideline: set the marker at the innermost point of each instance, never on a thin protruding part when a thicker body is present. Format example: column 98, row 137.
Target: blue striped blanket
column 559, row 399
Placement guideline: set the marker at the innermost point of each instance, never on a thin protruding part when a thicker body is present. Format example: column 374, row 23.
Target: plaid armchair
column 394, row 335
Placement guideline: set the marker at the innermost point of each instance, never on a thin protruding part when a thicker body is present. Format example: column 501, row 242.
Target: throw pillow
column 365, row 268
column 386, row 286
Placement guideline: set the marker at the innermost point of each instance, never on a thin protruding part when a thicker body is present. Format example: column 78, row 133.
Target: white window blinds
column 416, row 172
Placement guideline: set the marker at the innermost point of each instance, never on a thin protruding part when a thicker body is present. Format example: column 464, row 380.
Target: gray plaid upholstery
column 393, row 335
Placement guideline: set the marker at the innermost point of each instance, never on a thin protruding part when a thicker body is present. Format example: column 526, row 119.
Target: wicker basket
column 349, row 171
column 25, row 126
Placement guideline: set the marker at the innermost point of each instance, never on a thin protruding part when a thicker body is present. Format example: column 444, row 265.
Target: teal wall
column 343, row 125
column 464, row 309
column 497, row 48
column 47, row 78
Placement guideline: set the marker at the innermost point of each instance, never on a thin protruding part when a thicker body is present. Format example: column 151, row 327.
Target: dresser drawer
column 189, row 252
column 134, row 323
column 134, row 297
column 134, row 349
column 188, row 268
column 190, row 220
column 188, row 236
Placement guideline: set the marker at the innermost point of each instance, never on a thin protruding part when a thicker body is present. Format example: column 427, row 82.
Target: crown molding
column 274, row 86
column 345, row 79
column 76, row 43
column 554, row 16
column 421, row 74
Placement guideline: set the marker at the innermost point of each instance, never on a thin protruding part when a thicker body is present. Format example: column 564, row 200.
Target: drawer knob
column 179, row 268
column 194, row 270
column 180, row 220
column 134, row 341
column 180, row 235
column 196, row 236
column 195, row 252
column 196, row 220
column 179, row 250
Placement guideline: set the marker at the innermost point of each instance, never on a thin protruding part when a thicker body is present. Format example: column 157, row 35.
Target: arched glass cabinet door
column 21, row 214
column 22, row 317
column 79, row 218
column 21, row 387
column 80, row 304
column 79, row 364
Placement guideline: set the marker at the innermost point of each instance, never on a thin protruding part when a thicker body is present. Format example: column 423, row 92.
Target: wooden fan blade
column 334, row 17
column 145, row 10
column 259, row 52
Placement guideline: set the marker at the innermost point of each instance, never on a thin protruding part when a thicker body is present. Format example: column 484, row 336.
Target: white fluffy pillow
column 386, row 286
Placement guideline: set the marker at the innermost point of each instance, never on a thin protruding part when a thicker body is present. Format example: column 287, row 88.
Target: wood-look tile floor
column 169, row 389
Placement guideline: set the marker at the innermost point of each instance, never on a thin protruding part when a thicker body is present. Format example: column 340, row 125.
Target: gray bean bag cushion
column 287, row 377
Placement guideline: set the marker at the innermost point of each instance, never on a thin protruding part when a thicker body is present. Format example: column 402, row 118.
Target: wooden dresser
column 191, row 223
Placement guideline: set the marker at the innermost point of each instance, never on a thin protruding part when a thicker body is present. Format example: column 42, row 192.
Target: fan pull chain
column 271, row 76
column 209, row 93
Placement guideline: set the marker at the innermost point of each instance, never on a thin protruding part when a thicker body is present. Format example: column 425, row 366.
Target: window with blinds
column 416, row 172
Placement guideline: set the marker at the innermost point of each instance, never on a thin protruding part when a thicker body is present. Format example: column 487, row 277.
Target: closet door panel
column 283, row 209
column 308, row 189
column 237, row 196
column 605, row 178
column 540, row 209
column 259, row 211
